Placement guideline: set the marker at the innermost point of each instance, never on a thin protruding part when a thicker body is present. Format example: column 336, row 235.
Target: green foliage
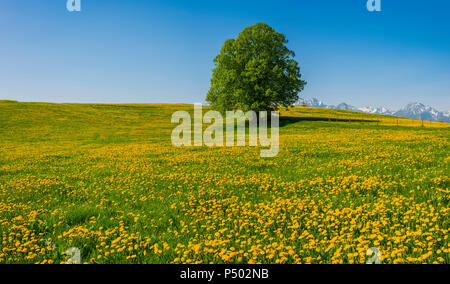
column 255, row 71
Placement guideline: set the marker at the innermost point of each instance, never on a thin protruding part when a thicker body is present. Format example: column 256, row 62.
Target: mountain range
column 412, row 110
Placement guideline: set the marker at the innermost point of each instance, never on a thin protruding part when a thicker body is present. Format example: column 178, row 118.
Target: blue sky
column 162, row 51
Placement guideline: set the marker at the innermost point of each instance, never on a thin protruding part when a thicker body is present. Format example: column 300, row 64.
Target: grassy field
column 106, row 179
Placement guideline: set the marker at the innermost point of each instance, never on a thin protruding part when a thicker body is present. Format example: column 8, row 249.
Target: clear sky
column 161, row 51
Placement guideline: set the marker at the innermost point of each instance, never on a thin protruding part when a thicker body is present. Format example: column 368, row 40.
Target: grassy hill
column 106, row 179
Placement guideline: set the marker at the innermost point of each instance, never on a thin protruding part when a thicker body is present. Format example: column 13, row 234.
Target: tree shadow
column 286, row 120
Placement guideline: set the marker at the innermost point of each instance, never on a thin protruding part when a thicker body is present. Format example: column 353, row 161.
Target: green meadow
column 105, row 179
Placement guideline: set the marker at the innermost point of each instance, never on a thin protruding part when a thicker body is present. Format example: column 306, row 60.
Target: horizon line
column 204, row 103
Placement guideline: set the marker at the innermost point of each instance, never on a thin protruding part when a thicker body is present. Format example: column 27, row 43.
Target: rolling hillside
column 106, row 179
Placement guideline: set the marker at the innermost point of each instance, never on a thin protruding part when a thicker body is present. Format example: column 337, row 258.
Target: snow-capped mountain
column 377, row 110
column 413, row 110
column 345, row 106
column 420, row 111
column 312, row 103
column 447, row 114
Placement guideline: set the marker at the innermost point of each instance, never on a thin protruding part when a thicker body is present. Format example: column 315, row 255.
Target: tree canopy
column 255, row 71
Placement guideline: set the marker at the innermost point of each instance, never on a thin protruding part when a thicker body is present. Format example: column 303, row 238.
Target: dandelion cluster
column 107, row 180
